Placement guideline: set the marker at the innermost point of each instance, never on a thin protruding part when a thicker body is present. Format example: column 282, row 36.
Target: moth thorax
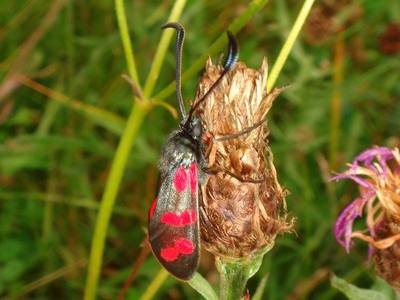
column 185, row 158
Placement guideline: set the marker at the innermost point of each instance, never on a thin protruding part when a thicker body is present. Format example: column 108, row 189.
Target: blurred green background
column 63, row 106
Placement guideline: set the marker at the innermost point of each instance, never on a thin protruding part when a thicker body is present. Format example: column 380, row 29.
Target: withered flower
column 327, row 19
column 377, row 171
column 243, row 205
column 389, row 40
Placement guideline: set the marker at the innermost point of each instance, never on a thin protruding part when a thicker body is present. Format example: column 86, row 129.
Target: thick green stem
column 235, row 273
column 234, row 276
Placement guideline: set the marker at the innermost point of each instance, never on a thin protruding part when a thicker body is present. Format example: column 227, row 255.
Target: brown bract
column 239, row 218
column 387, row 260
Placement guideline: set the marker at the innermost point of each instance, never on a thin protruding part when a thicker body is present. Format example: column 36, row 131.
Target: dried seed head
column 387, row 260
column 239, row 218
column 326, row 19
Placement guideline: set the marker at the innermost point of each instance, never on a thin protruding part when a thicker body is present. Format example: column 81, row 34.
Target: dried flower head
column 389, row 40
column 238, row 217
column 327, row 19
column 377, row 172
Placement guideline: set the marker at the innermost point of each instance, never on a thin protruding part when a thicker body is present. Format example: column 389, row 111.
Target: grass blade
column 287, row 47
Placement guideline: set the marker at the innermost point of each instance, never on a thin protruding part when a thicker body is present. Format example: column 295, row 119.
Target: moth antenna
column 231, row 59
column 233, row 52
column 180, row 37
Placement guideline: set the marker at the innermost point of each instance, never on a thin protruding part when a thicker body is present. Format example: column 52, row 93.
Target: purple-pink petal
column 373, row 230
column 368, row 155
column 381, row 154
column 355, row 178
column 376, row 160
column 344, row 223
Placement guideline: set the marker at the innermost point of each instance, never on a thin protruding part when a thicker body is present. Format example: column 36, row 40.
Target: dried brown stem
column 10, row 82
column 135, row 269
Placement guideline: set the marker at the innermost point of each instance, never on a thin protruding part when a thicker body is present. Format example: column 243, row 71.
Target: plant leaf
column 258, row 295
column 355, row 293
column 203, row 287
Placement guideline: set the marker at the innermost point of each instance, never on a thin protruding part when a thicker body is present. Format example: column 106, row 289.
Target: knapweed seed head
column 377, row 172
column 243, row 205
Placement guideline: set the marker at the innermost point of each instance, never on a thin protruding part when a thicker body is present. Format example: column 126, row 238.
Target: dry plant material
column 10, row 81
column 389, row 40
column 239, row 218
column 329, row 17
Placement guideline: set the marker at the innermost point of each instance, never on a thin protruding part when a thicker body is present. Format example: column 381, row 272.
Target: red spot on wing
column 180, row 179
column 171, row 218
column 169, row 253
column 152, row 208
column 193, row 177
column 184, row 246
column 187, row 217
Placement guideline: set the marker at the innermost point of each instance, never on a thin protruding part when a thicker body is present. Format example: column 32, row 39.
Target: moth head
column 194, row 127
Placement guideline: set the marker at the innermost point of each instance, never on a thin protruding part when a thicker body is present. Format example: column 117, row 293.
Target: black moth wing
column 173, row 216
column 173, row 220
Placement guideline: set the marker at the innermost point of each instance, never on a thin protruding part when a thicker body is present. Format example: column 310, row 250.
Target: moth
column 174, row 232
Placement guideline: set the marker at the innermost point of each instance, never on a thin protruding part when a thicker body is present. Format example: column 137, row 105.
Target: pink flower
column 377, row 172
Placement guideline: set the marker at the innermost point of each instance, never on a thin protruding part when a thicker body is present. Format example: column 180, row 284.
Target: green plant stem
column 336, row 101
column 233, row 280
column 47, row 279
column 235, row 273
column 113, row 182
column 162, row 49
column 235, row 26
column 107, row 202
column 201, row 285
column 43, row 130
column 155, row 285
column 135, row 120
column 99, row 116
column 287, row 47
column 126, row 41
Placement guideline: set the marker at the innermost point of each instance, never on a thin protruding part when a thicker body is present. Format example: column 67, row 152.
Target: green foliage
column 355, row 293
column 203, row 287
column 56, row 155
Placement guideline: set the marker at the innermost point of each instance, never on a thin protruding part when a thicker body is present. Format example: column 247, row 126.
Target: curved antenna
column 180, row 37
column 233, row 52
column 231, row 59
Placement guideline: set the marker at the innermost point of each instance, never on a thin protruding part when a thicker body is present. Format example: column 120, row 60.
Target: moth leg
column 242, row 132
column 214, row 171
